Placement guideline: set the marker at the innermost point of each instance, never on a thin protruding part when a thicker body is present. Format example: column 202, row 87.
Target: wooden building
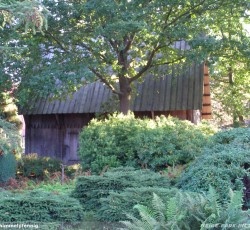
column 52, row 127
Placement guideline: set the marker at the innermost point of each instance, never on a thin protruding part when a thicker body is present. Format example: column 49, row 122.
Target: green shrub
column 118, row 204
column 126, row 141
column 222, row 165
column 35, row 166
column 237, row 136
column 89, row 189
column 39, row 206
column 7, row 167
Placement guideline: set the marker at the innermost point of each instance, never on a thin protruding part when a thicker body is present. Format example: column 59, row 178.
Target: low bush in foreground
column 142, row 143
column 39, row 207
column 89, row 189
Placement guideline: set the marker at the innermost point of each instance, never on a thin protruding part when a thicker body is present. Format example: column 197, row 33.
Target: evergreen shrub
column 222, row 165
column 117, row 205
column 89, row 189
column 39, row 206
column 127, row 141
column 236, row 136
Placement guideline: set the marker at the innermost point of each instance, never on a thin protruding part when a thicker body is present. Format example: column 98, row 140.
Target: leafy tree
column 13, row 15
column 116, row 42
column 30, row 13
column 226, row 48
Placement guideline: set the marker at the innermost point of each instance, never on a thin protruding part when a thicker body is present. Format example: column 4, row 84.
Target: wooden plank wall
column 55, row 136
column 206, row 101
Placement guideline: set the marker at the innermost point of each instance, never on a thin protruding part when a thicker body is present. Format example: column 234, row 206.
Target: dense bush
column 89, row 189
column 223, row 165
column 118, row 204
column 39, row 206
column 35, row 166
column 7, row 167
column 127, row 141
column 237, row 136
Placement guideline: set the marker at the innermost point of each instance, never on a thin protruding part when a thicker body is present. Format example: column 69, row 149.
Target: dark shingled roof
column 176, row 91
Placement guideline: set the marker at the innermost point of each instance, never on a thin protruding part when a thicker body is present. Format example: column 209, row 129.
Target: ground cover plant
column 90, row 189
column 39, row 206
column 142, row 143
column 118, row 204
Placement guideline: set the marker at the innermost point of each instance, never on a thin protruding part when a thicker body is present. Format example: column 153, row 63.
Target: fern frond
column 235, row 200
column 214, row 201
column 158, row 207
column 147, row 215
column 135, row 224
column 171, row 209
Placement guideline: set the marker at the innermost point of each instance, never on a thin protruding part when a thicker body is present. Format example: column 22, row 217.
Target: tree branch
column 147, row 66
column 167, row 63
column 191, row 10
column 114, row 46
column 129, row 43
column 95, row 54
column 105, row 81
column 57, row 41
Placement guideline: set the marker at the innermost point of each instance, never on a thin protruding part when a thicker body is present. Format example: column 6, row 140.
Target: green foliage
column 35, row 166
column 116, row 205
column 55, row 187
column 229, row 212
column 9, row 145
column 222, row 165
column 127, row 141
column 8, row 109
column 238, row 136
column 89, row 189
column 30, row 13
column 9, row 138
column 186, row 211
column 38, row 206
column 7, row 167
column 115, row 40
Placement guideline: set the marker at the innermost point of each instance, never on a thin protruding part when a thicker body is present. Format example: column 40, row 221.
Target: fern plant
column 161, row 216
column 225, row 214
column 190, row 211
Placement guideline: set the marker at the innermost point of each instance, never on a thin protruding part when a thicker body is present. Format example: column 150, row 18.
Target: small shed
column 52, row 127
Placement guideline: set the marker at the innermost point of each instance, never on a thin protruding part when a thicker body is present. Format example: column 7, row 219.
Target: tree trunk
column 125, row 96
column 124, row 103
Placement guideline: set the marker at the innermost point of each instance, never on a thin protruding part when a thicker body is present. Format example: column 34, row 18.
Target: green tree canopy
column 117, row 42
